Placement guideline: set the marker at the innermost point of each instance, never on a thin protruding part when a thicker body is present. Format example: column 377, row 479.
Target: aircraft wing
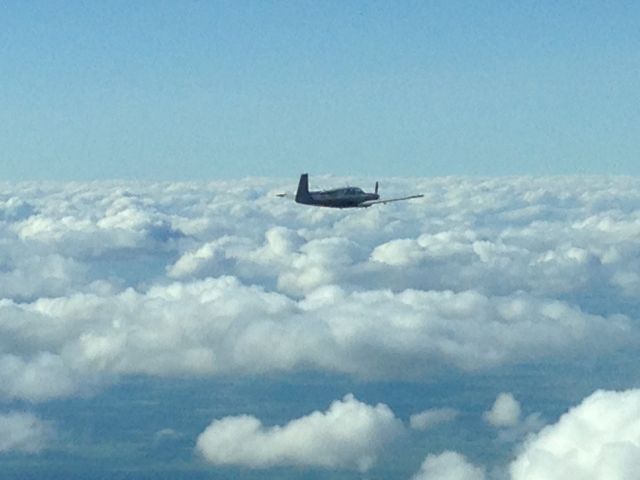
column 388, row 200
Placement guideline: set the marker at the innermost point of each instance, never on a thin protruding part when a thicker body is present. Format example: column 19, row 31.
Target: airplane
column 348, row 197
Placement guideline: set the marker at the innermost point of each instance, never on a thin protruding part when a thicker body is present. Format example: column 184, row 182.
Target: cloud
column 430, row 418
column 350, row 434
column 221, row 326
column 448, row 466
column 109, row 278
column 23, row 432
column 104, row 280
column 42, row 377
column 28, row 277
column 544, row 236
column 14, row 209
column 506, row 416
column 504, row 241
column 597, row 440
column 504, row 413
column 211, row 259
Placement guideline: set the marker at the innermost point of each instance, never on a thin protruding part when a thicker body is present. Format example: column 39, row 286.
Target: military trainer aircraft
column 348, row 197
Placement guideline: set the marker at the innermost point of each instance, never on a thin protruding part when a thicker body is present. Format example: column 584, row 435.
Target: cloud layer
column 100, row 281
column 221, row 326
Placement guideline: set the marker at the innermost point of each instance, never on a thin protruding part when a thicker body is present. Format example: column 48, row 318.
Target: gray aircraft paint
column 348, row 197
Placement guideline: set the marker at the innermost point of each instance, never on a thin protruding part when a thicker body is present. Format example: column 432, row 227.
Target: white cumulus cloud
column 350, row 434
column 597, row 440
column 505, row 411
column 448, row 466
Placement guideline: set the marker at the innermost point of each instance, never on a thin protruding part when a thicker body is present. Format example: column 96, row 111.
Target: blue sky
column 205, row 90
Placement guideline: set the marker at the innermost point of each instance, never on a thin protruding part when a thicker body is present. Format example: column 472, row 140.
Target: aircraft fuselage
column 348, row 197
column 341, row 198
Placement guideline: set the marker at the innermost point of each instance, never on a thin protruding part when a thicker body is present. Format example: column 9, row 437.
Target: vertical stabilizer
column 302, row 195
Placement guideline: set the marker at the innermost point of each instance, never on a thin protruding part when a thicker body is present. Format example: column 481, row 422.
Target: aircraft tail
column 302, row 195
column 376, row 189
